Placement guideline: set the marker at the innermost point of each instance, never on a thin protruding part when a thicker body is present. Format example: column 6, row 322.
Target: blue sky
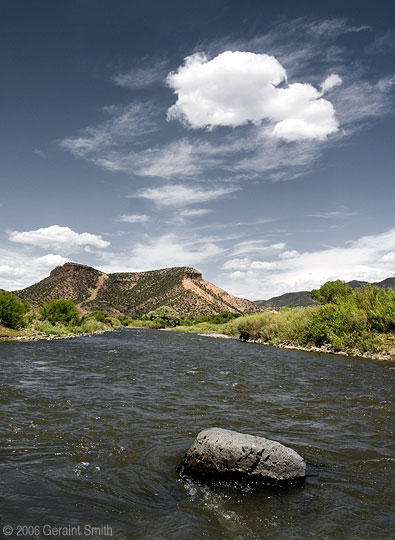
column 252, row 141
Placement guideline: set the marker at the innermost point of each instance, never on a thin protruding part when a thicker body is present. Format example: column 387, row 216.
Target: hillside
column 135, row 293
column 303, row 298
column 293, row 299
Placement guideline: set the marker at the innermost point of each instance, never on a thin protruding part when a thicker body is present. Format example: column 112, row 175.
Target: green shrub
column 99, row 316
column 49, row 329
column 114, row 322
column 335, row 322
column 331, row 290
column 63, row 311
column 158, row 322
column 12, row 310
column 124, row 320
column 88, row 326
column 168, row 315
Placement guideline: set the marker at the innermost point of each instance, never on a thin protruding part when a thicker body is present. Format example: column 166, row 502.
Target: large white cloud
column 58, row 238
column 238, row 87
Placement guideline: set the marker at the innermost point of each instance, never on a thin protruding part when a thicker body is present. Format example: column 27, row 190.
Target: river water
column 93, row 430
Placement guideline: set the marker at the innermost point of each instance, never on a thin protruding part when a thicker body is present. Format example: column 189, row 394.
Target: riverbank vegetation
column 56, row 318
column 346, row 319
column 355, row 321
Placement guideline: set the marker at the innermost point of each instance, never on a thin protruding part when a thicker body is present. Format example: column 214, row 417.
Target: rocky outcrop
column 223, row 454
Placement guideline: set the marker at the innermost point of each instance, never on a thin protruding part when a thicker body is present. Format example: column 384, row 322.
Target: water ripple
column 94, row 428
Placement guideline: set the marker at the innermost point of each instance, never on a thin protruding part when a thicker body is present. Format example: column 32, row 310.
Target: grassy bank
column 297, row 328
column 359, row 322
column 38, row 329
column 56, row 319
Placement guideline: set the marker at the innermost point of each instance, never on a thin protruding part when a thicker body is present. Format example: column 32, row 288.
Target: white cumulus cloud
column 237, row 87
column 57, row 237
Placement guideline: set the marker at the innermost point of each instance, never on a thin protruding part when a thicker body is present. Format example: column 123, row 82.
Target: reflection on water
column 94, row 428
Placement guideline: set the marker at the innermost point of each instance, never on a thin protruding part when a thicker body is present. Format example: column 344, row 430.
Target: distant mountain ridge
column 303, row 298
column 135, row 293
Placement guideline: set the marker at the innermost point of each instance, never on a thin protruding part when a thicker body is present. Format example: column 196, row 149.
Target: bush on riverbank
column 164, row 316
column 99, row 315
column 11, row 310
column 60, row 311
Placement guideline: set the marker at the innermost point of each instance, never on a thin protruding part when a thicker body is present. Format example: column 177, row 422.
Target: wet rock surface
column 223, row 454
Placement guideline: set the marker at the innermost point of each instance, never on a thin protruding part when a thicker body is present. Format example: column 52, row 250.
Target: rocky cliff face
column 135, row 293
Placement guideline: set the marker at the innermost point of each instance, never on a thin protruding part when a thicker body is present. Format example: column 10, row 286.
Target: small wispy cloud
column 330, row 82
column 143, row 76
column 185, row 216
column 96, row 143
column 229, row 225
column 197, row 212
column 181, row 194
column 39, row 153
column 290, row 254
column 332, row 215
column 256, row 246
column 247, row 264
column 333, row 27
column 133, row 218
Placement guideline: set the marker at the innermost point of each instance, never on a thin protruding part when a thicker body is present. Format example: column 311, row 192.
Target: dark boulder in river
column 223, row 454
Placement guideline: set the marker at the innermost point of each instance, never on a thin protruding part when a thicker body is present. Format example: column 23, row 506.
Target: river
column 93, row 430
